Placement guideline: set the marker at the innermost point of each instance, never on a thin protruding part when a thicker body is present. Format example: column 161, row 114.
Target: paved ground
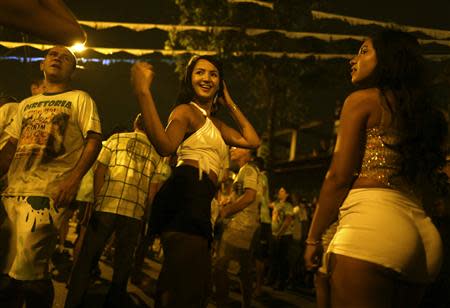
column 142, row 295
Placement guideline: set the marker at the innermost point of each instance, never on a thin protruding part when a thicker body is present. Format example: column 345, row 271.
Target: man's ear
column 41, row 65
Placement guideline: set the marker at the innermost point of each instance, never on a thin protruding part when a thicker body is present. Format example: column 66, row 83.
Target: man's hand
column 7, row 155
column 66, row 191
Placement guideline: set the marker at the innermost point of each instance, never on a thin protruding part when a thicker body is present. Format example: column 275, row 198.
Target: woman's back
column 380, row 163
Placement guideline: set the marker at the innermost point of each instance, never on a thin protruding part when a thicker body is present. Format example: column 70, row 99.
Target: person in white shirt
column 122, row 181
column 53, row 141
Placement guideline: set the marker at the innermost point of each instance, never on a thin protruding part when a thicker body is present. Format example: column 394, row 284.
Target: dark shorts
column 263, row 244
column 183, row 204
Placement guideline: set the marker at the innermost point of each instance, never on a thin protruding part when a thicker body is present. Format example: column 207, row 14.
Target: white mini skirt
column 388, row 228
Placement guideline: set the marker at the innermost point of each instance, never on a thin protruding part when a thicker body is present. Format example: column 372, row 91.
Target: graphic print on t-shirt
column 40, row 211
column 42, row 133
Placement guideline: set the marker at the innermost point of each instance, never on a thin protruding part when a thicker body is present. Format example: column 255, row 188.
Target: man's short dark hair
column 74, row 56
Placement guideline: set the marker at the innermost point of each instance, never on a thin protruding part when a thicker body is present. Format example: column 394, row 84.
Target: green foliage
column 293, row 15
column 204, row 12
column 267, row 79
column 279, row 93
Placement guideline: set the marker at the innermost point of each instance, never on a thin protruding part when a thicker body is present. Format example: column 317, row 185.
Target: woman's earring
column 214, row 106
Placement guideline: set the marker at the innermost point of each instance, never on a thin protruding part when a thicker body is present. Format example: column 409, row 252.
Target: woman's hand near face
column 225, row 99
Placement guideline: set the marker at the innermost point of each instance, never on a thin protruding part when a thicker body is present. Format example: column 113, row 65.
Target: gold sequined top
column 380, row 162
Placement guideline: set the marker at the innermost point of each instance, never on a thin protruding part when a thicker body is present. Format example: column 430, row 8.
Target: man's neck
column 242, row 162
column 56, row 87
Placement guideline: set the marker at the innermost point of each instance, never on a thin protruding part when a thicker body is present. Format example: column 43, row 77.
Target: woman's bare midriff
column 368, row 183
column 212, row 176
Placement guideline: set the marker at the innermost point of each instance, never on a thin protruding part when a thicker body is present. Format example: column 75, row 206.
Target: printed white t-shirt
column 241, row 229
column 7, row 113
column 50, row 129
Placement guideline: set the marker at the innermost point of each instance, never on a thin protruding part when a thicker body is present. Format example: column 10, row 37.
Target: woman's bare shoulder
column 182, row 108
column 366, row 94
column 365, row 104
column 365, row 98
column 182, row 111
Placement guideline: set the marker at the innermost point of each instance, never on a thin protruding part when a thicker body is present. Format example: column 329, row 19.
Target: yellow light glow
column 79, row 47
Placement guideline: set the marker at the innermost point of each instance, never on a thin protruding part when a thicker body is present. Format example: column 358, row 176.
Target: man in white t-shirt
column 8, row 108
column 54, row 139
column 241, row 233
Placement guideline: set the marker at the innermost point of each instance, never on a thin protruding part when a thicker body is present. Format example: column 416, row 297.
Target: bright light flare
column 78, row 47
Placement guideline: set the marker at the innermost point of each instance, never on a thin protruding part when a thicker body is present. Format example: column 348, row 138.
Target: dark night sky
column 423, row 13
column 431, row 13
column 109, row 85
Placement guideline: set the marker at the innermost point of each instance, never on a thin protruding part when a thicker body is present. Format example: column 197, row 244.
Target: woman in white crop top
column 181, row 210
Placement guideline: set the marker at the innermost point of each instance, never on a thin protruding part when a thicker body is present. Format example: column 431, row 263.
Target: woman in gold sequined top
column 387, row 160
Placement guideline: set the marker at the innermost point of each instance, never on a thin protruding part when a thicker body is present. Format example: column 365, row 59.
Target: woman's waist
column 210, row 157
column 195, row 163
column 378, row 196
column 393, row 182
column 369, row 182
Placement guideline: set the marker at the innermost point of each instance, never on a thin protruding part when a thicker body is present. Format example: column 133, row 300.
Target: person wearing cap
column 54, row 139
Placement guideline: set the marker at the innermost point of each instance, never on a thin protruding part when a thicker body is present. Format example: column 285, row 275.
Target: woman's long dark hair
column 187, row 92
column 421, row 127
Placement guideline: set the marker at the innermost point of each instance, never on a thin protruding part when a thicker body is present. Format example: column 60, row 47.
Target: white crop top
column 206, row 146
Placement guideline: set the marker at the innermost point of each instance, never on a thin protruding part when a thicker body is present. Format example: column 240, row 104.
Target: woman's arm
column 166, row 141
column 246, row 137
column 345, row 164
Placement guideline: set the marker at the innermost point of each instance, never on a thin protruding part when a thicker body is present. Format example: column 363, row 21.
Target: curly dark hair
column 187, row 92
column 422, row 128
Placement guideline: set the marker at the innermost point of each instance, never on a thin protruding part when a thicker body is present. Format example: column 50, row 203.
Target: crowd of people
column 368, row 238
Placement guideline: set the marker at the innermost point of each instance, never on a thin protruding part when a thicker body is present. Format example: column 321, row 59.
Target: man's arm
column 241, row 203
column 69, row 187
column 153, row 189
column 286, row 223
column 99, row 177
column 7, row 155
